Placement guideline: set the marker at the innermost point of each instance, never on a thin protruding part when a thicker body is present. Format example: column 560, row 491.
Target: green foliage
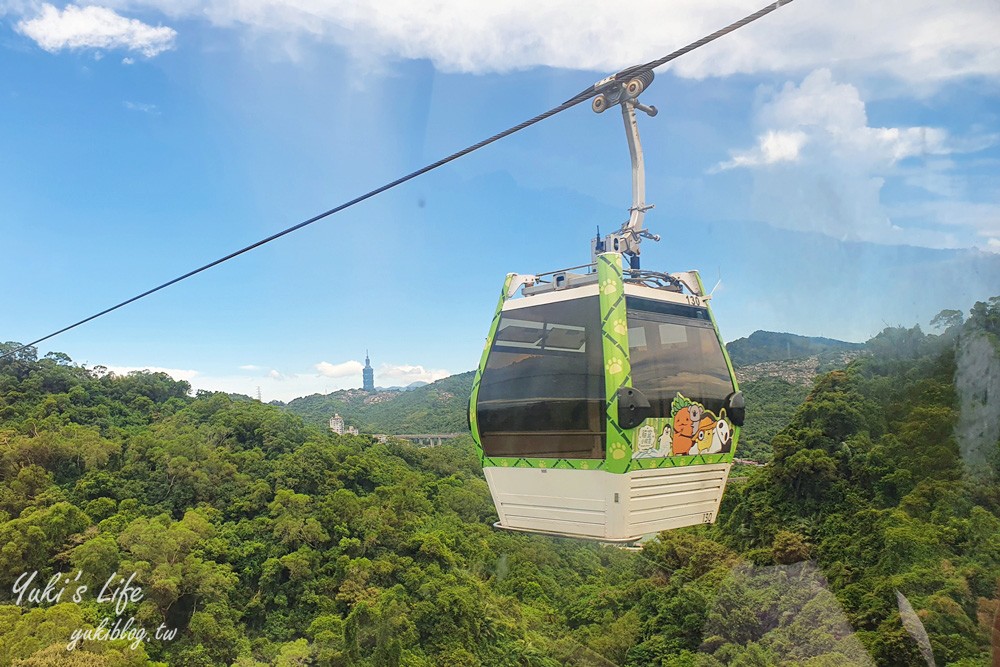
column 771, row 403
column 268, row 541
column 868, row 479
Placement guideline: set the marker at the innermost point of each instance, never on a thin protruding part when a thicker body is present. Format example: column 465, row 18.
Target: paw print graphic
column 619, row 327
column 615, row 366
column 585, row 466
column 608, row 286
column 542, row 464
column 618, row 450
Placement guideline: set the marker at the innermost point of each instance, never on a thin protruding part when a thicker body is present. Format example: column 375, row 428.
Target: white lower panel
column 570, row 502
column 602, row 505
column 675, row 497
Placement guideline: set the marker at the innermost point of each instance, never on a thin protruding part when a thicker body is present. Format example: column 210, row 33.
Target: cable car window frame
column 644, row 312
column 576, row 425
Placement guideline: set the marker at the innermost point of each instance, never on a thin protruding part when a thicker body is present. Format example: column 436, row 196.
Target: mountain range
column 775, row 372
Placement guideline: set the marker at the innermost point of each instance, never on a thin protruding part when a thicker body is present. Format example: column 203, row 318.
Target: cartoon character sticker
column 665, row 438
column 696, row 430
column 692, row 430
column 646, row 440
column 687, row 422
column 722, row 437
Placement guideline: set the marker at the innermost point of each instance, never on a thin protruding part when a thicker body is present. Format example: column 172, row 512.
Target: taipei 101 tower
column 368, row 375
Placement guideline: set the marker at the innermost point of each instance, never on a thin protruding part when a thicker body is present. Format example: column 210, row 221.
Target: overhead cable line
column 573, row 101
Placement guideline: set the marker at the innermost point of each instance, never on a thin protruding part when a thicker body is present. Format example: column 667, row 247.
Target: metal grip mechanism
column 625, row 93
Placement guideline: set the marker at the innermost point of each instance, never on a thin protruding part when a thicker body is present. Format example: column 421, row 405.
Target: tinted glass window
column 542, row 393
column 674, row 350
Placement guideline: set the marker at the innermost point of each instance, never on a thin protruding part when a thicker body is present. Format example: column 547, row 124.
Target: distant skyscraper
column 368, row 374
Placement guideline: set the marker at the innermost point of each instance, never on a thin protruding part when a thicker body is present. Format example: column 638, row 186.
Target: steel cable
column 581, row 97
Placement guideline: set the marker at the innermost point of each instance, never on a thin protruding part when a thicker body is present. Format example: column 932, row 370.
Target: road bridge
column 427, row 438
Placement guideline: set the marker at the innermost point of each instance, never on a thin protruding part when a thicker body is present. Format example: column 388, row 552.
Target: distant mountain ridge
column 761, row 346
column 438, row 407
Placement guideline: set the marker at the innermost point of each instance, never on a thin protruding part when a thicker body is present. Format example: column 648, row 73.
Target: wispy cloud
column 144, row 108
column 94, row 27
column 819, row 166
column 345, row 369
column 403, row 374
column 386, row 375
column 772, row 147
column 285, row 385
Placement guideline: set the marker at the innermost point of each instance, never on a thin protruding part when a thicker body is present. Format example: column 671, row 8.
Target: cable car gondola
column 605, row 405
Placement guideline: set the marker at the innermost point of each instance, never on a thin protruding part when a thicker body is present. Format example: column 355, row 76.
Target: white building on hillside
column 337, row 424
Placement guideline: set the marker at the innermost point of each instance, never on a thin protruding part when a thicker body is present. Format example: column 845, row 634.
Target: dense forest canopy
column 871, row 537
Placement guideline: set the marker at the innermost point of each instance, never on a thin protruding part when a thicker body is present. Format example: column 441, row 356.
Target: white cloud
column 386, row 375
column 175, row 373
column 918, row 41
column 144, row 108
column 95, row 27
column 285, row 386
column 819, row 166
column 273, row 384
column 772, row 147
column 345, row 369
column 832, row 115
column 389, row 375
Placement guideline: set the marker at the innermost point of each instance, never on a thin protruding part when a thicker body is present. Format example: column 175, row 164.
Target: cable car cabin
column 605, row 408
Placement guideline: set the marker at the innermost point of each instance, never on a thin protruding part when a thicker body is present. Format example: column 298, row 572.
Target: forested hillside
column 438, row 407
column 267, row 541
column 776, row 371
column 771, row 402
column 770, row 346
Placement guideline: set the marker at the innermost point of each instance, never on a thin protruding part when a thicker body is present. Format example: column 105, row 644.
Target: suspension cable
column 573, row 101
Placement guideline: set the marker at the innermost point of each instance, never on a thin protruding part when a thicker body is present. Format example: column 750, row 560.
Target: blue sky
column 836, row 164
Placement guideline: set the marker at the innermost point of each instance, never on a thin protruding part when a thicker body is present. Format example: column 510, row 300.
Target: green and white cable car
column 605, row 405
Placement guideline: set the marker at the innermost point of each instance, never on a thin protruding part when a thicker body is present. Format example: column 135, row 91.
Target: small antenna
column 259, row 400
column 718, row 283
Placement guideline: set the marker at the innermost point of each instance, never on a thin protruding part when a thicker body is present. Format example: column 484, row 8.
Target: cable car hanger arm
column 627, row 239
